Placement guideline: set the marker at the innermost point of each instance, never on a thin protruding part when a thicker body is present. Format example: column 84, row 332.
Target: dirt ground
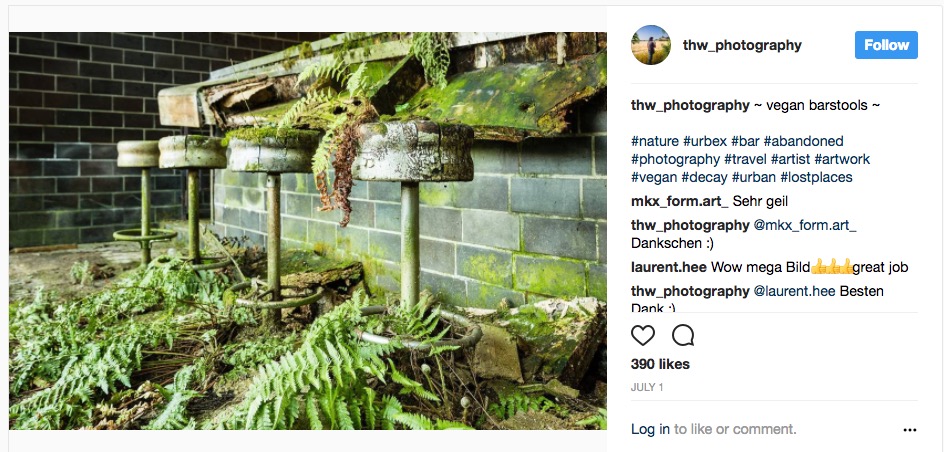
column 51, row 269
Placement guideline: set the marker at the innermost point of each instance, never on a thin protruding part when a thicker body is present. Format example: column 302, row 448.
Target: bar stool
column 273, row 152
column 144, row 155
column 192, row 153
column 412, row 152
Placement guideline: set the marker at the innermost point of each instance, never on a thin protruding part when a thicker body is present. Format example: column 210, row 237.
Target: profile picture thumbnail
column 651, row 45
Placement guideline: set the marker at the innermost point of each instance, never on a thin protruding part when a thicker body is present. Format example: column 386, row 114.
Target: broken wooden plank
column 43, row 248
column 311, row 279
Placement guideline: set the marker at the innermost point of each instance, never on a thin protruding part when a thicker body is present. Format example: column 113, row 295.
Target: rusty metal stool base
column 260, row 289
column 469, row 340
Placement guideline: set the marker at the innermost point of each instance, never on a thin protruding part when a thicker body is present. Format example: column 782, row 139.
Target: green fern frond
column 432, row 50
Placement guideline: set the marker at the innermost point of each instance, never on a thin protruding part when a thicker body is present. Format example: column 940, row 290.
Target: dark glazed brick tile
column 98, row 70
column 60, row 100
column 125, row 133
column 104, row 119
column 96, row 168
column 97, row 135
column 186, row 78
column 72, row 151
column 94, row 102
column 104, row 151
column 37, row 47
column 107, row 184
column 26, row 203
column 26, row 99
column 134, row 89
column 107, row 55
column 107, row 87
column 126, row 41
column 139, row 120
column 186, row 48
column 239, row 55
column 158, row 45
column 37, row 82
column 26, row 133
column 73, row 118
column 60, row 134
column 95, row 38
column 213, row 51
column 36, row 116
column 61, row 36
column 129, row 104
column 96, row 201
column 197, row 36
column 35, row 151
column 73, row 185
column 73, row 51
column 36, row 185
column 73, row 84
column 245, row 41
column 159, row 76
column 136, row 58
column 196, row 64
column 62, row 201
column 168, row 61
column 122, row 72
column 22, row 63
column 225, row 39
column 25, row 168
column 60, row 67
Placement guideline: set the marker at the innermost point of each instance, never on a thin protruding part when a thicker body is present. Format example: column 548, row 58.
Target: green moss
column 487, row 267
column 556, row 277
column 291, row 55
column 258, row 134
column 435, row 194
column 298, row 261
column 268, row 115
column 512, row 99
column 202, row 141
column 596, row 284
column 483, row 295
column 547, row 338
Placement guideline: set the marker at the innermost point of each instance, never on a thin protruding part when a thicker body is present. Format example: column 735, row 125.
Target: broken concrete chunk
column 496, row 355
column 563, row 334
column 558, row 389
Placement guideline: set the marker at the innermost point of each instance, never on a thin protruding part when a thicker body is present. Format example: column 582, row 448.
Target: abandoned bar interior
column 308, row 230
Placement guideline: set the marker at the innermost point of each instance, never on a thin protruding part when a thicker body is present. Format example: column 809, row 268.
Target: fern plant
column 174, row 415
column 432, row 50
column 337, row 98
column 324, row 384
column 597, row 420
column 77, row 352
column 517, row 402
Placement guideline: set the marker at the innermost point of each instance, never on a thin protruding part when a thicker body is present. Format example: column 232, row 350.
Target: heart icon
column 643, row 334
